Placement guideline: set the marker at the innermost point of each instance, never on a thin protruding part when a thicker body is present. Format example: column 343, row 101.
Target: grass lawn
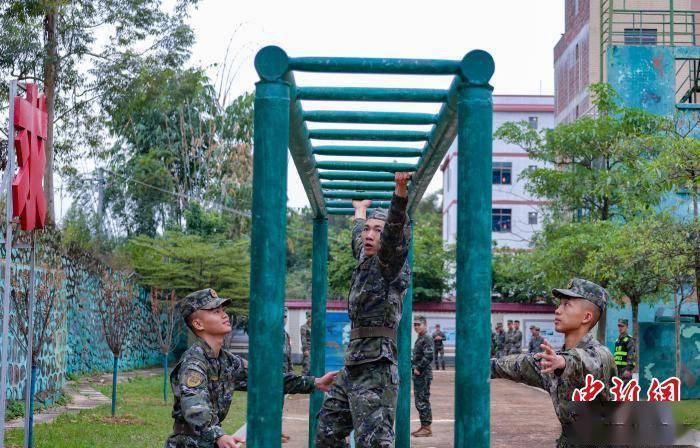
column 687, row 412
column 143, row 420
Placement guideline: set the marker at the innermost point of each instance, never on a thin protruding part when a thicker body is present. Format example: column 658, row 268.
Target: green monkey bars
column 281, row 124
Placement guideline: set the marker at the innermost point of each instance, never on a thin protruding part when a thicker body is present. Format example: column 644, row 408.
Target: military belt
column 373, row 332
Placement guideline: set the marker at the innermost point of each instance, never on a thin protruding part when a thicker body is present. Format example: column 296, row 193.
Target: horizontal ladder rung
column 369, row 135
column 340, row 116
column 349, row 185
column 391, row 167
column 355, row 175
column 344, row 211
column 371, row 94
column 375, row 65
column 371, row 151
column 348, row 204
column 357, row 194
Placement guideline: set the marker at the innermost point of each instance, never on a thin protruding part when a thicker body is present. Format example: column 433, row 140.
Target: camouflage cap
column 510, row 321
column 532, row 327
column 205, row 299
column 419, row 319
column 624, row 322
column 308, row 314
column 499, row 324
column 579, row 288
column 286, row 311
column 381, row 214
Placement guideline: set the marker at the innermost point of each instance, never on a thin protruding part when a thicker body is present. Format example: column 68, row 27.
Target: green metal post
column 319, row 288
column 403, row 406
column 268, row 250
column 475, row 123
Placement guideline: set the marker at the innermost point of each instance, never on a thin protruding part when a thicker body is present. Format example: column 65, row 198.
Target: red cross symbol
column 28, row 200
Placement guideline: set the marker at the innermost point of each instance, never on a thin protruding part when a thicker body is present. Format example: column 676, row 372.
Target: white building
column 516, row 214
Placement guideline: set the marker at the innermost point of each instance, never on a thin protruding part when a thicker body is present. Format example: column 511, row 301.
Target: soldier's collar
column 208, row 351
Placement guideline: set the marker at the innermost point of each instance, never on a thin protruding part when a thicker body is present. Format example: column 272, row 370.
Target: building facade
column 516, row 215
column 583, row 48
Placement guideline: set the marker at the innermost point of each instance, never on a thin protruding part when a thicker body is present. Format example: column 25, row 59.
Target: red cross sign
column 28, row 200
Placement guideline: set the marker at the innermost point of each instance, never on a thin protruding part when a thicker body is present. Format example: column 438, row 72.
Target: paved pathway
column 514, row 410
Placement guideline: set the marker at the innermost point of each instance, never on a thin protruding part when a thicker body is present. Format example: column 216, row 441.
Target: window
column 532, row 218
column 532, row 122
column 447, row 177
column 640, row 36
column 500, row 220
column 502, row 173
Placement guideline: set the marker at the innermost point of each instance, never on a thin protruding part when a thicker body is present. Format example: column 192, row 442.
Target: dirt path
column 515, row 408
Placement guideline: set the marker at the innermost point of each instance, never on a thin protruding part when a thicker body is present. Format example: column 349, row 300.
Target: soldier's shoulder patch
column 193, row 378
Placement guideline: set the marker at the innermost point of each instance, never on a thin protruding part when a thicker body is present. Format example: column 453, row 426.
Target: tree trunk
column 114, row 385
column 635, row 329
column 696, row 236
column 50, row 72
column 677, row 319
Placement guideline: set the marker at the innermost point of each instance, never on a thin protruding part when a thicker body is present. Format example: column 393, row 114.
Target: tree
column 517, row 277
column 165, row 319
column 116, row 307
column 592, row 163
column 50, row 41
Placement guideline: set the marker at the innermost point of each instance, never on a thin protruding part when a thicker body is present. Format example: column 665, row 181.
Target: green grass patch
column 687, row 412
column 143, row 420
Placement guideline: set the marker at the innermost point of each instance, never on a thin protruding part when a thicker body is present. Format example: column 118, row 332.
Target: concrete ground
column 521, row 416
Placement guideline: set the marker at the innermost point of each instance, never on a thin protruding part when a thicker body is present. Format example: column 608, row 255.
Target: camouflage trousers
column 421, row 393
column 363, row 398
column 305, row 364
column 185, row 441
column 440, row 358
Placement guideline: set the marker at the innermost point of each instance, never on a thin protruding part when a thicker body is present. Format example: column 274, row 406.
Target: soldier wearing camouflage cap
column 561, row 371
column 423, row 352
column 204, row 379
column 305, row 333
column 625, row 350
column 364, row 395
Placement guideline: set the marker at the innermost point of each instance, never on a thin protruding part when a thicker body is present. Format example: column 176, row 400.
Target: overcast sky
column 519, row 34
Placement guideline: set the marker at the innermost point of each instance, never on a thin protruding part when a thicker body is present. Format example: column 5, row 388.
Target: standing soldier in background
column 560, row 372
column 500, row 341
column 422, row 376
column 624, row 351
column 288, row 367
column 305, row 332
column 508, row 346
column 516, row 343
column 439, row 346
column 535, row 340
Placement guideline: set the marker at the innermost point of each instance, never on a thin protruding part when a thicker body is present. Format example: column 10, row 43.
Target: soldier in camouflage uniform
column 439, row 344
column 422, row 376
column 305, row 332
column 535, row 340
column 508, row 345
column 204, row 379
column 363, row 396
column 516, row 341
column 499, row 341
column 559, row 372
column 288, row 365
column 624, row 351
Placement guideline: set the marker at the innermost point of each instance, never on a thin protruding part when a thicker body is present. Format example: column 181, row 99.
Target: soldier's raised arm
column 359, row 223
column 520, row 368
column 395, row 237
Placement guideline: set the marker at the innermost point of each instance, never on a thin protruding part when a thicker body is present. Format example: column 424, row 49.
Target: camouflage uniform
column 439, row 346
column 305, row 332
column 516, row 342
column 589, row 356
column 534, row 344
column 508, row 341
column 288, row 366
column 422, row 361
column 625, row 350
column 363, row 396
column 500, row 343
column 203, row 384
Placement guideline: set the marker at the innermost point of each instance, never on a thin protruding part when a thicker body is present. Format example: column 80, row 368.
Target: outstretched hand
column 401, row 180
column 549, row 360
column 227, row 441
column 324, row 383
column 361, row 208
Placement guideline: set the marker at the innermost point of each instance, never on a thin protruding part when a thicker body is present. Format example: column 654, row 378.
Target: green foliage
column 515, row 279
column 185, row 263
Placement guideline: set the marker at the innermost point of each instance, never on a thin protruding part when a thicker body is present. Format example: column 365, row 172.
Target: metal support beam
column 375, row 65
column 371, row 94
column 348, row 204
column 371, row 151
column 342, row 116
column 358, row 194
column 403, row 406
column 475, row 122
column 377, row 186
column 356, row 175
column 391, row 167
column 9, row 171
column 267, row 258
column 319, row 289
column 368, row 135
